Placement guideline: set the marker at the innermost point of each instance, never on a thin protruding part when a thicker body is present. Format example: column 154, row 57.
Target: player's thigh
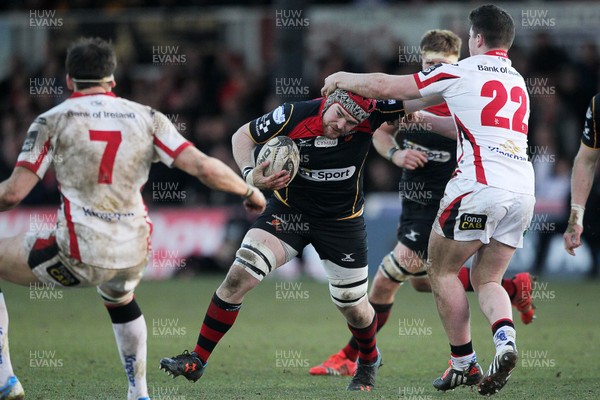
column 276, row 243
column 343, row 242
column 13, row 261
column 342, row 247
column 51, row 266
column 490, row 263
column 512, row 227
column 447, row 256
column 276, row 237
column 260, row 253
column 470, row 215
column 471, row 211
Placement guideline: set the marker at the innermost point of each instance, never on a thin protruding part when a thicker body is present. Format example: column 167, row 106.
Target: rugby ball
column 283, row 154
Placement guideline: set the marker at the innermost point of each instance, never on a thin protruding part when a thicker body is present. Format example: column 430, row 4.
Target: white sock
column 504, row 335
column 6, row 370
column 463, row 362
column 131, row 341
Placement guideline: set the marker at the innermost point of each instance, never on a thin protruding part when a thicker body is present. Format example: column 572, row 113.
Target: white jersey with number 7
column 489, row 103
column 101, row 147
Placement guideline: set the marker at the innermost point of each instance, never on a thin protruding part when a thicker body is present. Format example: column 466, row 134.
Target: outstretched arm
column 217, row 175
column 581, row 184
column 374, row 85
column 16, row 187
column 411, row 106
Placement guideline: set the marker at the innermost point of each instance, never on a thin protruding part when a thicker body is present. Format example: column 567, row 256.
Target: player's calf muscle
column 358, row 316
column 237, row 283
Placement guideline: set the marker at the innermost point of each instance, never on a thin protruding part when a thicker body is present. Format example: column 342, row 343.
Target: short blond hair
column 441, row 41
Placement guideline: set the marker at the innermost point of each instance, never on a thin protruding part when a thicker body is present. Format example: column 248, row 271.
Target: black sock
column 462, row 350
column 124, row 314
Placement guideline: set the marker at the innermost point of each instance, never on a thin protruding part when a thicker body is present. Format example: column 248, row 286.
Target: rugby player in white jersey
column 101, row 147
column 488, row 205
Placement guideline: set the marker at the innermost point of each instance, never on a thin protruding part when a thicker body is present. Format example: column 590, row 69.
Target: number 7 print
column 107, row 163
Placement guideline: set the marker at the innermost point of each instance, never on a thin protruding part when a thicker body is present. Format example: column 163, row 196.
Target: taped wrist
column 248, row 193
column 577, row 212
column 247, row 174
column 246, row 171
column 391, row 152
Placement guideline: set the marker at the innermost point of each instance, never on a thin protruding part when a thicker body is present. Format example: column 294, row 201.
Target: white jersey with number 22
column 489, row 103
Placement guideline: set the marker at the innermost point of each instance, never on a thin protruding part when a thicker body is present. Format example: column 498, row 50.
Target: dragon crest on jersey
column 357, row 106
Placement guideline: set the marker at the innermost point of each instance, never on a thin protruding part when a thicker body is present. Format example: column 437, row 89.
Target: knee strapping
column 347, row 286
column 394, row 271
column 349, row 294
column 256, row 258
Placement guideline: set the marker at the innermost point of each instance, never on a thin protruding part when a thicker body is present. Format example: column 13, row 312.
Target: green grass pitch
column 62, row 344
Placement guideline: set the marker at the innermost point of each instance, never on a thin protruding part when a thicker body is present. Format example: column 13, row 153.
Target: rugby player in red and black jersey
column 584, row 168
column 321, row 206
column 429, row 160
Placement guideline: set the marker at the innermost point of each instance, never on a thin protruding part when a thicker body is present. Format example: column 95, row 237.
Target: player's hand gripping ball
column 283, row 154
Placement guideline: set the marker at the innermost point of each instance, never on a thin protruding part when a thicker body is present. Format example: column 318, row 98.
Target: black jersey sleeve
column 591, row 136
column 274, row 123
column 386, row 110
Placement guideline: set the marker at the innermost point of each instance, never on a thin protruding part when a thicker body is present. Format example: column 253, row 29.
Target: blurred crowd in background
column 212, row 93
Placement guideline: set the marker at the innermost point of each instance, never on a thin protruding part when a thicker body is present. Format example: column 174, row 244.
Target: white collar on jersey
column 106, row 79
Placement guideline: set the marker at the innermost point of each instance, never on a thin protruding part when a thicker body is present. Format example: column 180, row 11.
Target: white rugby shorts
column 50, row 265
column 470, row 210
